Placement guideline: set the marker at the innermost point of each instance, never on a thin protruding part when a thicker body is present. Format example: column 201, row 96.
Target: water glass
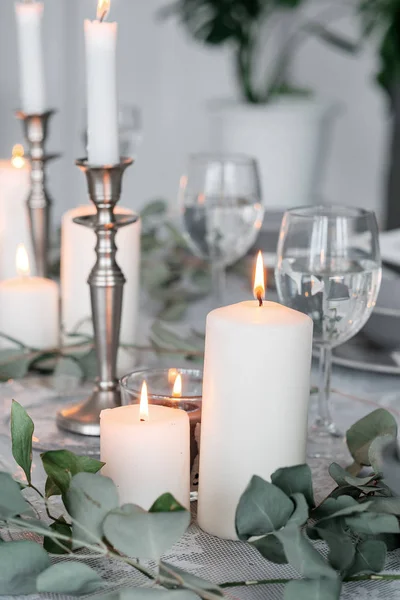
column 222, row 210
column 329, row 268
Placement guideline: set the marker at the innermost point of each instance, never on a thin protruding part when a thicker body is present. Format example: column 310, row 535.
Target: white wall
column 171, row 78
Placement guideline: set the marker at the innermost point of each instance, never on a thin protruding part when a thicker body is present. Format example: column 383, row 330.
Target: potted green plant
column 273, row 119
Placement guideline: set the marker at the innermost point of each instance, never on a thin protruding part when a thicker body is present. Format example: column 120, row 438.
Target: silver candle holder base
column 106, row 283
column 39, row 202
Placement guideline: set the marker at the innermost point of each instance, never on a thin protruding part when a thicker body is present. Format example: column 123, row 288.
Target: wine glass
column 221, row 209
column 329, row 268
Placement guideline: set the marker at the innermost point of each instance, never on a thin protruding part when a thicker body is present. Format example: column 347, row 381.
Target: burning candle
column 101, row 78
column 32, row 81
column 29, row 307
column 255, row 401
column 14, row 223
column 146, row 451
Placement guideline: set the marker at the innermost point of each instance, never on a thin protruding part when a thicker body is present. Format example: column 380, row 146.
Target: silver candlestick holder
column 106, row 282
column 39, row 202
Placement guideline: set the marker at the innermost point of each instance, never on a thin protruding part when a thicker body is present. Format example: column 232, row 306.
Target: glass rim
column 333, row 211
column 142, row 373
column 223, row 158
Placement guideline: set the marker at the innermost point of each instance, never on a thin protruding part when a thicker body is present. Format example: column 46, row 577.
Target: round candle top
column 249, row 312
column 130, row 416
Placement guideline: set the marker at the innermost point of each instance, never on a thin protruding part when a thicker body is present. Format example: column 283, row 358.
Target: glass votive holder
column 160, row 385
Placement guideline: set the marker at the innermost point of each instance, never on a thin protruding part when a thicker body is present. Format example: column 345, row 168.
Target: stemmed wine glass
column 221, row 209
column 329, row 268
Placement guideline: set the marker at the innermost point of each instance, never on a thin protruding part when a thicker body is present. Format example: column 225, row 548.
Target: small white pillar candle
column 77, row 260
column 14, row 221
column 146, row 453
column 255, row 403
column 32, row 81
column 101, row 79
column 29, row 308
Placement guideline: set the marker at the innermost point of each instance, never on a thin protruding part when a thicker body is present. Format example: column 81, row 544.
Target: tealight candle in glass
column 176, row 388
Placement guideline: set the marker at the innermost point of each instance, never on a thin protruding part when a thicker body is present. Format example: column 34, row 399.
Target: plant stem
column 244, row 57
column 373, row 577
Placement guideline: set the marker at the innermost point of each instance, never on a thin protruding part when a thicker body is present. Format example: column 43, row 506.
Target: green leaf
column 141, row 593
column 173, row 312
column 332, row 508
column 301, row 511
column 313, row 589
column 341, row 549
column 168, row 574
column 375, row 451
column 302, row 555
column 390, row 506
column 89, row 498
column 62, row 465
column 271, row 548
column 20, row 564
column 14, row 364
column 364, row 432
column 334, row 39
column 66, row 368
column 52, row 546
column 155, row 208
column 88, row 365
column 370, row 558
column 21, row 437
column 292, row 480
column 141, row 534
column 166, row 503
column 343, row 478
column 12, row 502
column 51, row 489
column 72, row 577
column 263, row 508
column 371, row 523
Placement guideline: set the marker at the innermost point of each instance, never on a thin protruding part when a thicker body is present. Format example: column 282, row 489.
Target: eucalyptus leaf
column 155, row 208
column 332, row 508
column 263, row 508
column 141, row 534
column 343, row 478
column 292, row 480
column 341, row 549
column 375, row 452
column 12, row 502
column 301, row 511
column 66, row 369
column 21, row 437
column 390, row 506
column 371, row 523
column 62, row 465
column 14, row 364
column 170, row 575
column 313, row 589
column 370, row 558
column 89, row 499
column 174, row 311
column 20, row 564
column 391, row 466
column 366, row 430
column 72, row 577
column 141, row 593
column 271, row 548
column 52, row 546
column 166, row 503
column 88, row 365
column 302, row 555
column 51, row 489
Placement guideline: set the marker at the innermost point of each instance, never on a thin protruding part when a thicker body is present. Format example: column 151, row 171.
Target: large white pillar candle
column 77, row 260
column 29, row 308
column 101, row 79
column 31, row 63
column 14, row 222
column 255, row 403
column 146, row 453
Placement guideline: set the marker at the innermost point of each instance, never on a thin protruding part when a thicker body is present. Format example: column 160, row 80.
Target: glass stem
column 325, row 370
column 218, row 280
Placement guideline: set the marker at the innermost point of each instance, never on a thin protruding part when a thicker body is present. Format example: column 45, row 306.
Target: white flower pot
column 288, row 137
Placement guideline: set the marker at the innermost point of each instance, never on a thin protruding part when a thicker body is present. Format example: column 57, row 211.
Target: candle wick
column 142, row 420
column 259, row 298
column 103, row 15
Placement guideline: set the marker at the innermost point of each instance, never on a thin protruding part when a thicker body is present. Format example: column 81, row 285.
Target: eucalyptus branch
column 371, row 577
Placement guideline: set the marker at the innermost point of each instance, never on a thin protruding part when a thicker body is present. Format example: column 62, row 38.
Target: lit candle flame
column 177, row 389
column 172, row 373
column 22, row 261
column 18, row 160
column 103, row 8
column 259, row 280
column 144, row 403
